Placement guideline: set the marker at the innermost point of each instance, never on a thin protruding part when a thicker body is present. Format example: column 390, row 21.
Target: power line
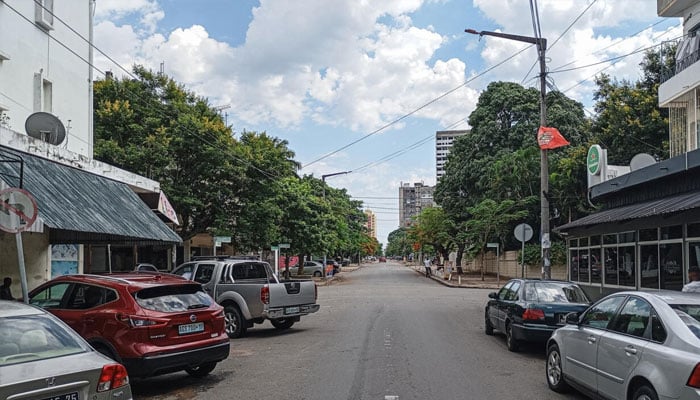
column 395, row 121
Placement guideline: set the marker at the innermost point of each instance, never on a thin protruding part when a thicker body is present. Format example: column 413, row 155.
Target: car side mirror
column 572, row 318
column 493, row 295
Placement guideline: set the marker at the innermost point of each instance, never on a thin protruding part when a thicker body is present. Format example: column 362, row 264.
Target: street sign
column 493, row 245
column 18, row 210
column 523, row 232
column 284, row 245
column 274, row 248
column 222, row 239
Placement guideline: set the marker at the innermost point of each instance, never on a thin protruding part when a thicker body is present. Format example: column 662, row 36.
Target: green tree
column 433, row 227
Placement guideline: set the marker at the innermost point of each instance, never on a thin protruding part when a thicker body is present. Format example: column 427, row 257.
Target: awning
column 81, row 207
column 661, row 207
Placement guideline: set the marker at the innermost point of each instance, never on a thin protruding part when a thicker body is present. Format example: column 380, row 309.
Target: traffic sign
column 523, row 232
column 18, row 210
column 274, row 248
column 284, row 245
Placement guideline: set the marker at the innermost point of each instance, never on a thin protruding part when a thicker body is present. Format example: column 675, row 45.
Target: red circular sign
column 18, row 210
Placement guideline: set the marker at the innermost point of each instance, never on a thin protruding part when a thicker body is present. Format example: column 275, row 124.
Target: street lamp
column 544, row 167
column 323, row 178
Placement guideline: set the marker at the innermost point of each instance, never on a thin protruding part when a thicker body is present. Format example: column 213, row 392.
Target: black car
column 531, row 309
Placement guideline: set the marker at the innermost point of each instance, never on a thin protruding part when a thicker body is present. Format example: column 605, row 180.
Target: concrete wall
column 509, row 266
column 36, row 259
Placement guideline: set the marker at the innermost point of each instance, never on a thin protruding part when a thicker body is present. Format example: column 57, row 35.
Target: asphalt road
column 383, row 332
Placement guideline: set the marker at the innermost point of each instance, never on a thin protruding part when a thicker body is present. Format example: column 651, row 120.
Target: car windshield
column 551, row 292
column 690, row 315
column 35, row 337
column 171, row 299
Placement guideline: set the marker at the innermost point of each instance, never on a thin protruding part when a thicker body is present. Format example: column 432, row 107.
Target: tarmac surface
column 467, row 280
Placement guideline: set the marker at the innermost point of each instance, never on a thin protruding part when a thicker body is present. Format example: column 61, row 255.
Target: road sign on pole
column 523, row 233
column 284, row 245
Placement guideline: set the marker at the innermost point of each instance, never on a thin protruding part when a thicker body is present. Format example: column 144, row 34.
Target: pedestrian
column 693, row 284
column 5, row 292
column 427, row 264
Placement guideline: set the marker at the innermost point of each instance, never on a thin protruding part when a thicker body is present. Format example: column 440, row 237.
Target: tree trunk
column 458, row 261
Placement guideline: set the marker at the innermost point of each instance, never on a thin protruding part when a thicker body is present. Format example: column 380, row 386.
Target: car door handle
column 630, row 350
column 592, row 339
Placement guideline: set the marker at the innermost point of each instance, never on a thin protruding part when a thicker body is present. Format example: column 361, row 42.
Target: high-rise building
column 443, row 144
column 371, row 223
column 412, row 200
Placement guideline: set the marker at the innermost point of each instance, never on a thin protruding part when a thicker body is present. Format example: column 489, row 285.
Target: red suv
column 152, row 323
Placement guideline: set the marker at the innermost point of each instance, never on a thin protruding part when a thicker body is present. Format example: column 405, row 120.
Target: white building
column 89, row 212
column 443, row 144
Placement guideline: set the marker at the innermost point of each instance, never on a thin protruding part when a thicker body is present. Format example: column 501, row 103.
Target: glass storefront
column 654, row 258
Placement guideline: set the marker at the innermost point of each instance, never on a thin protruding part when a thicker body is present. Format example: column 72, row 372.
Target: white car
column 630, row 345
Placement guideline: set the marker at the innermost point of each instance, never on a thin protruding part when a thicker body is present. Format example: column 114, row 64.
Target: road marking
column 391, row 397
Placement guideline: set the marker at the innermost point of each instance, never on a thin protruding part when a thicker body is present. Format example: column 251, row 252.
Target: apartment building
column 412, row 200
column 443, row 144
column 371, row 224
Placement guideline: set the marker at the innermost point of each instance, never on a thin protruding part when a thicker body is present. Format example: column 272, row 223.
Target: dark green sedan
column 531, row 309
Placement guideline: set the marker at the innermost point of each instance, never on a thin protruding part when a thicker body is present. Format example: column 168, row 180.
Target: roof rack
column 226, row 257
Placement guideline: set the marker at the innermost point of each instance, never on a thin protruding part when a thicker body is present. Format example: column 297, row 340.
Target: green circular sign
column 593, row 159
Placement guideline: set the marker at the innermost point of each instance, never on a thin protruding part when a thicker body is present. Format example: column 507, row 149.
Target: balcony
column 672, row 8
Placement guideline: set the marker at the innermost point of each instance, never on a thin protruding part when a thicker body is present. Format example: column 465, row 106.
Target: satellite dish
column 641, row 160
column 45, row 126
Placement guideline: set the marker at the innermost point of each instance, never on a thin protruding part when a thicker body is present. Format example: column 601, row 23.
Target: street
column 383, row 332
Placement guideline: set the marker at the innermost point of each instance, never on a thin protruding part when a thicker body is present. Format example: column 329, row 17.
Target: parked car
column 382, row 259
column 630, row 345
column 313, row 268
column 43, row 358
column 251, row 293
column 145, row 267
column 531, row 309
column 152, row 323
column 330, row 261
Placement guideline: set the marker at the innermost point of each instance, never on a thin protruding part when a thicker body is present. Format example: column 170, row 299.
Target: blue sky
column 322, row 74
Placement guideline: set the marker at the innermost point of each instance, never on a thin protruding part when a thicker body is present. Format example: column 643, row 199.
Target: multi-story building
column 647, row 234
column 92, row 216
column 412, row 200
column 443, row 145
column 371, row 223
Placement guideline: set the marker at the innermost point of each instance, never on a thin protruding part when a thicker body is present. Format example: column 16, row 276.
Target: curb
column 463, row 286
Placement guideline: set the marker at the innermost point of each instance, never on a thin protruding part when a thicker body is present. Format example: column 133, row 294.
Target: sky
column 362, row 86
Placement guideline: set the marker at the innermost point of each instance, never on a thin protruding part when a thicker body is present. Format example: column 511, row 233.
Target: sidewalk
column 467, row 280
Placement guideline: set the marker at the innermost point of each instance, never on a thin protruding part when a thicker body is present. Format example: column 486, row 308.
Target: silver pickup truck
column 250, row 292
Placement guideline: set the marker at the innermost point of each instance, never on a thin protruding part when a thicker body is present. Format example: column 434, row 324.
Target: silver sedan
column 42, row 358
column 630, row 345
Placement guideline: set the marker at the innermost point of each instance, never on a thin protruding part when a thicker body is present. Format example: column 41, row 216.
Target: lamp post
column 323, row 178
column 544, row 167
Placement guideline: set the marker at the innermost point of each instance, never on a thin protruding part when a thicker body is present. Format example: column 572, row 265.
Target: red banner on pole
column 549, row 138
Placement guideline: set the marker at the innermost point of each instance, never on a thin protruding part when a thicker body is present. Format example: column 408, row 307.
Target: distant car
column 313, row 268
column 531, row 309
column 146, row 267
column 630, row 345
column 382, row 259
column 43, row 358
column 152, row 323
column 335, row 264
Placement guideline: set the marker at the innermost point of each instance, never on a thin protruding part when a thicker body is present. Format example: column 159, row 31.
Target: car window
column 633, row 318
column 693, row 310
column 512, row 294
column 599, row 315
column 658, row 332
column 204, row 273
column 51, row 296
column 37, row 337
column 504, row 290
column 249, row 271
column 89, row 296
column 173, row 298
column 551, row 292
column 185, row 271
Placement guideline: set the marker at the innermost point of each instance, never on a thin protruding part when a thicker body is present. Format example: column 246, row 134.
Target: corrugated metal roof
column 665, row 206
column 87, row 206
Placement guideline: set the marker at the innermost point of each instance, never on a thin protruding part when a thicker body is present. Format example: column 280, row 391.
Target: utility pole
column 541, row 44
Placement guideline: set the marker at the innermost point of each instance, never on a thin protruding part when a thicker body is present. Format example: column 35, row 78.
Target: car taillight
column 265, row 294
column 533, row 314
column 112, row 377
column 694, row 379
column 136, row 322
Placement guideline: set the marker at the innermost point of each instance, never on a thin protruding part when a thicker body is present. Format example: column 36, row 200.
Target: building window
column 43, row 13
column 649, row 266
column 671, row 256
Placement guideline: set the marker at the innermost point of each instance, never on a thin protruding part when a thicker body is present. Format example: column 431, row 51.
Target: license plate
column 67, row 396
column 191, row 328
column 291, row 310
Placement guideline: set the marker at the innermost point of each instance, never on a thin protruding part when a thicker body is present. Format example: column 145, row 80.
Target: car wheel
column 282, row 323
column 555, row 377
column 645, row 392
column 235, row 326
column 201, row 371
column 105, row 351
column 317, row 273
column 488, row 328
column 511, row 342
